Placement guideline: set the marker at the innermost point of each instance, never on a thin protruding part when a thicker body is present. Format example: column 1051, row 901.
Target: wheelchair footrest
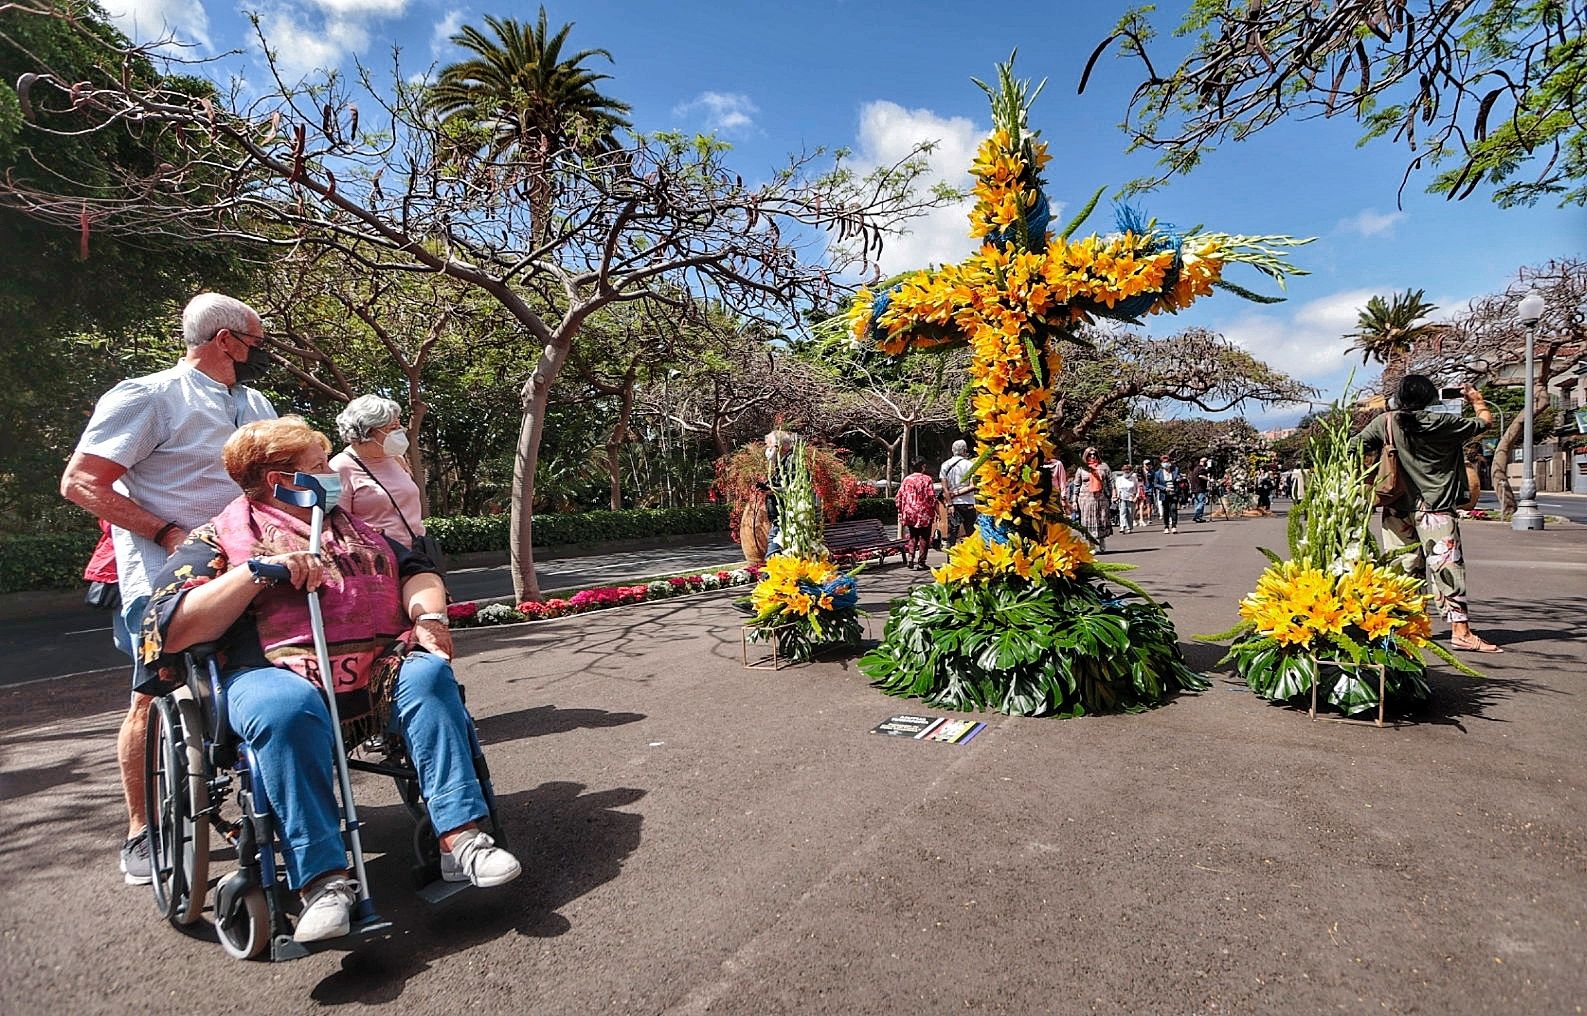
column 441, row 890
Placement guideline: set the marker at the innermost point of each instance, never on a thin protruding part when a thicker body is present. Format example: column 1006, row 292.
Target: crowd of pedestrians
column 1102, row 499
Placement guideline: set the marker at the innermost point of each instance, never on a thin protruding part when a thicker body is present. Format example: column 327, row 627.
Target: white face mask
column 395, row 444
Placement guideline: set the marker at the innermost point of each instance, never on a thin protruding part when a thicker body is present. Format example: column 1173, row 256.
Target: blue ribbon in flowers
column 844, row 590
column 993, row 531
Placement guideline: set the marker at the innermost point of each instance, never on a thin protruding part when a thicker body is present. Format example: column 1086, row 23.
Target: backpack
column 1388, row 488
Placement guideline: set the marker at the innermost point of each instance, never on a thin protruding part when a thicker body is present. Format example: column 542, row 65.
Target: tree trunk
column 526, row 456
column 615, row 440
column 1515, row 432
column 417, row 409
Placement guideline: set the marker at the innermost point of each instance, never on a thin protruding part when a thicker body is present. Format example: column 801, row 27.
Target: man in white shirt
column 958, row 486
column 149, row 464
column 1125, row 490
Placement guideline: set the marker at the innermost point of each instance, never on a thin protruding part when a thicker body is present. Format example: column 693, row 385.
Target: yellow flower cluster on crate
column 1296, row 604
column 779, row 587
column 1060, row 555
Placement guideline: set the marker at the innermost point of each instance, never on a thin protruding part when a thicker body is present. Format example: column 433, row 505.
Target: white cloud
column 441, row 36
column 887, row 133
column 149, row 20
column 310, row 36
column 1370, row 222
column 722, row 111
column 1308, row 343
column 361, row 8
column 301, row 49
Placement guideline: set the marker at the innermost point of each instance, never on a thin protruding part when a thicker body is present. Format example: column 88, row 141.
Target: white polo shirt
column 167, row 429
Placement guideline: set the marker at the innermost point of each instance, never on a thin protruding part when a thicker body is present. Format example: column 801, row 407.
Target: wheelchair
column 194, row 763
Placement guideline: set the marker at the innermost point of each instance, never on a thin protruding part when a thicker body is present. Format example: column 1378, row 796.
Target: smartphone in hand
column 1451, row 393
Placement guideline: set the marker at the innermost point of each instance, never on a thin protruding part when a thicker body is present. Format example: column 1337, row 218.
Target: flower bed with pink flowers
column 472, row 615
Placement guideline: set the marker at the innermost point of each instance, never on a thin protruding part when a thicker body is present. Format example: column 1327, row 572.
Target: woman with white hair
column 377, row 483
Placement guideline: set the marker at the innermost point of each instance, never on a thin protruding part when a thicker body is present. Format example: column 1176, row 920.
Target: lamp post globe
column 1527, row 516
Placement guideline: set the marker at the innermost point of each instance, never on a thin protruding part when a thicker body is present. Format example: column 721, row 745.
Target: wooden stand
column 750, row 633
column 776, row 661
column 1382, row 690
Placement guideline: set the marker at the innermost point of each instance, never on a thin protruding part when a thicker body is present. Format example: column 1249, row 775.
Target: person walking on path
column 1150, row 510
column 1198, row 489
column 1126, row 488
column 149, row 464
column 1429, row 447
column 917, row 510
column 1168, row 481
column 958, row 487
column 1266, row 479
column 1095, row 480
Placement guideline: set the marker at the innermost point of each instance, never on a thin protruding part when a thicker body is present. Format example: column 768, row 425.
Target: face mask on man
column 395, row 444
column 253, row 366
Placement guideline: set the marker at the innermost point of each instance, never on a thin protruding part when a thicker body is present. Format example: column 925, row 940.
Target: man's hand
column 173, row 539
column 434, row 636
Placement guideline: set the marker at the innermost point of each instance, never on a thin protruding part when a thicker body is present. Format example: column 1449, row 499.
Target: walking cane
column 312, row 496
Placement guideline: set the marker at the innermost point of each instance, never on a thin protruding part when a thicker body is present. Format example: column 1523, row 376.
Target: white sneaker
column 476, row 858
column 327, row 913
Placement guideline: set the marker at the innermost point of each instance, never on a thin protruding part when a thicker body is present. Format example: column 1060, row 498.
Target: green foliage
column 490, row 532
column 1348, row 674
column 1387, row 330
column 45, row 562
column 801, row 641
column 1331, row 526
column 1060, row 648
column 74, row 326
column 1488, row 91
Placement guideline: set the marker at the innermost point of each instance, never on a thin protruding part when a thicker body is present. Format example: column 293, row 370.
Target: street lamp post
column 1129, row 439
column 1527, row 516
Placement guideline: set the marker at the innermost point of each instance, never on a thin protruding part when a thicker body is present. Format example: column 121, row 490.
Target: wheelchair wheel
column 176, row 797
column 245, row 929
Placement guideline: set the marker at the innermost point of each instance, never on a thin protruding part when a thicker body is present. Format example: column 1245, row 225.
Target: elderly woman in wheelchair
column 383, row 614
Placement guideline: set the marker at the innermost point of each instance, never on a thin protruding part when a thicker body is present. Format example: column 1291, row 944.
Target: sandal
column 1475, row 644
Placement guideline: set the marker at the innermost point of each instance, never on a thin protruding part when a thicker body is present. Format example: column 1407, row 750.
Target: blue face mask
column 331, row 483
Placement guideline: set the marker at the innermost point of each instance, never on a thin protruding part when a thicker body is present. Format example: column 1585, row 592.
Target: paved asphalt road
column 698, row 838
column 76, row 640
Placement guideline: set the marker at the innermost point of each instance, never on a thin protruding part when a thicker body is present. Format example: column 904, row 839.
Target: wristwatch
column 437, row 616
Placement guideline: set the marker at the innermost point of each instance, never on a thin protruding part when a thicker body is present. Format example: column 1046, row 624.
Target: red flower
column 464, row 610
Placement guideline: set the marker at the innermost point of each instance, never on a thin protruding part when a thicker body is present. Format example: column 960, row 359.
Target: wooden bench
column 859, row 538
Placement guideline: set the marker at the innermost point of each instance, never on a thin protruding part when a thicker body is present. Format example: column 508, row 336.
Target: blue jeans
column 284, row 719
column 1200, row 514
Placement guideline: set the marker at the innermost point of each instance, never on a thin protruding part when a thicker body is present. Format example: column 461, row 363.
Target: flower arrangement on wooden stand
column 1335, row 622
column 1020, row 619
column 803, row 602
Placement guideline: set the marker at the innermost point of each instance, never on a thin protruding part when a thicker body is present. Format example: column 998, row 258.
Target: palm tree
column 519, row 101
column 1388, row 330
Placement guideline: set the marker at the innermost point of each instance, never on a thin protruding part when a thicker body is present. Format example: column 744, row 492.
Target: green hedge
column 884, row 508
column 56, row 561
column 463, row 535
column 45, row 562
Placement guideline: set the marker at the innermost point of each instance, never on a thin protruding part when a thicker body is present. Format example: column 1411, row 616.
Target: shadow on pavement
column 537, row 721
column 569, row 842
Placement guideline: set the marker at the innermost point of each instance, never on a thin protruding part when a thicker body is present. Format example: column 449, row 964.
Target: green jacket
column 1431, row 449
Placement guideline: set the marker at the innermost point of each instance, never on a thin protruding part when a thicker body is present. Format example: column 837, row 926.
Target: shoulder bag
column 1388, row 488
column 426, row 544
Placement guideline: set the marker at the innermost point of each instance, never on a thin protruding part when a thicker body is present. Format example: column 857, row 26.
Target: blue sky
column 877, row 77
